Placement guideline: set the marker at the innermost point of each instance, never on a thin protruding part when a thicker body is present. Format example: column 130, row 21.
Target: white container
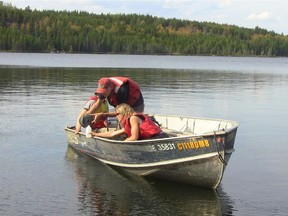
column 88, row 131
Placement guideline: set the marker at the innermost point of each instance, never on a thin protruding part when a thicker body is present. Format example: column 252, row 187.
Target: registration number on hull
column 181, row 146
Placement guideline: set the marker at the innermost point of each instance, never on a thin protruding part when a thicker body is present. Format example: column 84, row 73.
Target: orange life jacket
column 134, row 91
column 146, row 130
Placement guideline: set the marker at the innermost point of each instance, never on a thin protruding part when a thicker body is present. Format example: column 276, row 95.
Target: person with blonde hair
column 136, row 126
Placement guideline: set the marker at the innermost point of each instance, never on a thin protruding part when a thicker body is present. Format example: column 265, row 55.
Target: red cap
column 102, row 85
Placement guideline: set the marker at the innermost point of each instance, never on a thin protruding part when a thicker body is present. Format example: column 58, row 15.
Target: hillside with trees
column 26, row 30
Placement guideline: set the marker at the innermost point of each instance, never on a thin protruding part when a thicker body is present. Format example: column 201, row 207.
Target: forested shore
column 26, row 30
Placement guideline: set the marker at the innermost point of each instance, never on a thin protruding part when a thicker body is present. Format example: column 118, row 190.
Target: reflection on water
column 105, row 191
column 186, row 92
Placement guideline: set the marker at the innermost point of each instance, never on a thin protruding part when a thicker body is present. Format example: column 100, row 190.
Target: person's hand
column 93, row 133
column 77, row 131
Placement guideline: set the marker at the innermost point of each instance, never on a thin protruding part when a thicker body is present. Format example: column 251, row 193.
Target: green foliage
column 24, row 30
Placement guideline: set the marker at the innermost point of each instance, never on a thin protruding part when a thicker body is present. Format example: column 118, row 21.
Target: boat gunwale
column 234, row 126
column 147, row 141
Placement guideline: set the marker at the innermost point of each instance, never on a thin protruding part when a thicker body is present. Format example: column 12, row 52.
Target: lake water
column 41, row 93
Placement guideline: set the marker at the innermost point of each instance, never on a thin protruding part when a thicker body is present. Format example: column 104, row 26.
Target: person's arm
column 99, row 116
column 134, row 123
column 78, row 126
column 109, row 134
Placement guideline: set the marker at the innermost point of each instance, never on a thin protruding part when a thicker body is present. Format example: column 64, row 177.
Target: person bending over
column 119, row 90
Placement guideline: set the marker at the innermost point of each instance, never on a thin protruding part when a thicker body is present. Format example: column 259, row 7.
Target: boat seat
column 174, row 133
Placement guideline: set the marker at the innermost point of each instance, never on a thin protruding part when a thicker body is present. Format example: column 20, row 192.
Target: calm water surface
column 41, row 93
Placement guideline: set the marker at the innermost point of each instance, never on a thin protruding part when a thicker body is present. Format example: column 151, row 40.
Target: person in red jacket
column 136, row 126
column 119, row 90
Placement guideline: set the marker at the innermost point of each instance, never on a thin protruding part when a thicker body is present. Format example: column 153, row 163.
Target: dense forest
column 26, row 30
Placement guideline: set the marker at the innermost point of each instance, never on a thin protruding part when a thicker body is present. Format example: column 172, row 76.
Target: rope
column 219, row 155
